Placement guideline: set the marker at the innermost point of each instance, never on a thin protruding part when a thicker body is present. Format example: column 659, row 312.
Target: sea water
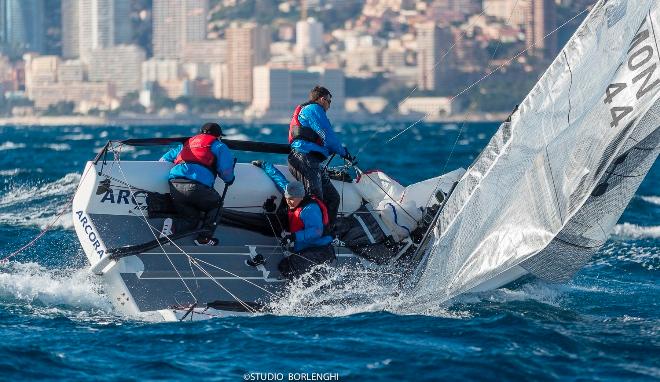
column 57, row 323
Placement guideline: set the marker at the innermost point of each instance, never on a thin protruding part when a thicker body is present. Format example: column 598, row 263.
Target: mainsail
column 550, row 185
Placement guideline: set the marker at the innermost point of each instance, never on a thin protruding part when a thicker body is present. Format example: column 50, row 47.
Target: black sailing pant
column 300, row 263
column 191, row 201
column 308, row 169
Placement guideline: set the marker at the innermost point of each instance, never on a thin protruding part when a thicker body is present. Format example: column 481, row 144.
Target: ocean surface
column 56, row 322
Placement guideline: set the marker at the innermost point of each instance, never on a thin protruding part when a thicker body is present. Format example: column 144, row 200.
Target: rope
column 192, row 259
column 483, row 78
column 118, row 161
column 386, row 193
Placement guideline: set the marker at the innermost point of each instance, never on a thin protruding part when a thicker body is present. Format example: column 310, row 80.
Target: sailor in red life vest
column 308, row 220
column 197, row 163
column 312, row 141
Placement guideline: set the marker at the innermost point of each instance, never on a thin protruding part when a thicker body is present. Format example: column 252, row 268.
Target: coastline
column 150, row 120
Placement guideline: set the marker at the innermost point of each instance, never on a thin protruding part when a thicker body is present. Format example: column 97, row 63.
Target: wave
column 633, row 231
column 347, row 291
column 651, row 199
column 76, row 137
column 58, row 146
column 9, row 145
column 37, row 218
column 61, row 187
column 16, row 171
column 12, row 172
column 35, row 284
column 615, row 254
column 28, row 206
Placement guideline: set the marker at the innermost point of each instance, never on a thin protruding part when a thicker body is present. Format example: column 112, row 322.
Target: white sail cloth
column 539, row 169
column 387, row 196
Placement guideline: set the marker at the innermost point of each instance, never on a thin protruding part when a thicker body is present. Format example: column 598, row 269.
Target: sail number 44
column 640, row 57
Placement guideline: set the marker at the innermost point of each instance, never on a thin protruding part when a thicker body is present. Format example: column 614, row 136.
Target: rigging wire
column 508, row 62
column 222, row 269
column 480, row 80
column 117, row 155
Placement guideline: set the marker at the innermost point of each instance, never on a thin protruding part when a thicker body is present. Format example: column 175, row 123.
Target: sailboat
column 540, row 199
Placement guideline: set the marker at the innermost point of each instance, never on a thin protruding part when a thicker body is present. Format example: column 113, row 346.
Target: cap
column 294, row 190
column 211, row 128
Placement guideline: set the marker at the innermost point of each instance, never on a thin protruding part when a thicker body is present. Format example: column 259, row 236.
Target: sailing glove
column 349, row 157
column 288, row 240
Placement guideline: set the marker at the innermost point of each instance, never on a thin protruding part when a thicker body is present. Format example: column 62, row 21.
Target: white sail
column 596, row 101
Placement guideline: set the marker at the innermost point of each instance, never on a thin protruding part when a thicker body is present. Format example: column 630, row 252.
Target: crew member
column 197, row 163
column 308, row 220
column 312, row 141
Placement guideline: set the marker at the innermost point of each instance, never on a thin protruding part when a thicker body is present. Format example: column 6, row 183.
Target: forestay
column 593, row 105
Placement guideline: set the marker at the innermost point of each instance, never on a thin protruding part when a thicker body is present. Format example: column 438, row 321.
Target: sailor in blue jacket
column 312, row 141
column 197, row 163
column 308, row 220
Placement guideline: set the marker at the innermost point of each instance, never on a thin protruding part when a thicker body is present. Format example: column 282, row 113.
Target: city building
column 120, row 65
column 205, row 52
column 85, row 95
column 177, row 23
column 40, row 70
column 433, row 58
column 220, row 78
column 247, row 47
column 71, row 71
column 366, row 105
column 428, row 107
column 394, row 56
column 70, row 29
column 94, row 24
column 513, row 11
column 155, row 70
column 309, row 37
column 541, row 19
column 22, row 26
column 277, row 90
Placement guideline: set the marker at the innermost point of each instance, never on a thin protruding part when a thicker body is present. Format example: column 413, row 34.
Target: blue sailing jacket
column 224, row 165
column 314, row 117
column 312, row 234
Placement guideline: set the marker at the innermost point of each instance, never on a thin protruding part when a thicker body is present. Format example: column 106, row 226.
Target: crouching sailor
column 197, row 163
column 308, row 222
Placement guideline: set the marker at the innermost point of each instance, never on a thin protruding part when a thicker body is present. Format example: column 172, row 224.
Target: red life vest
column 298, row 131
column 197, row 150
column 296, row 223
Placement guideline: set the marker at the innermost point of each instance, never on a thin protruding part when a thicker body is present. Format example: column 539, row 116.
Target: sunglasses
column 328, row 99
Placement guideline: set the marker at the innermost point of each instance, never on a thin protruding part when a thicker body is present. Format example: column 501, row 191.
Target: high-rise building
column 541, row 19
column 22, row 26
column 102, row 24
column 277, row 90
column 94, row 24
column 120, row 65
column 70, row 29
column 175, row 23
column 309, row 36
column 432, row 58
column 205, row 52
column 220, row 77
column 247, row 47
column 155, row 70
